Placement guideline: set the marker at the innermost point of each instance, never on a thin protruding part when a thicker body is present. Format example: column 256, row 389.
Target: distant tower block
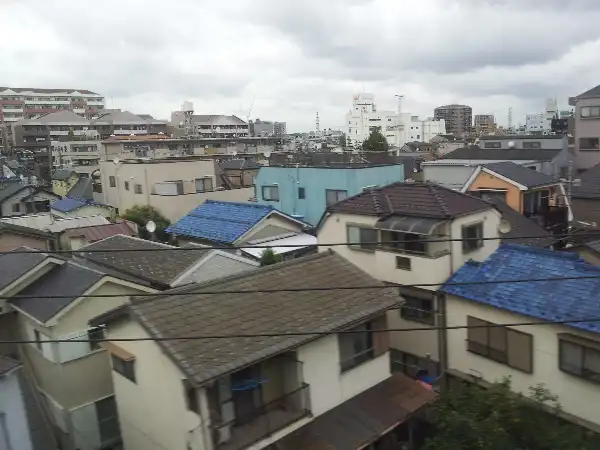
column 188, row 111
column 510, row 118
column 318, row 125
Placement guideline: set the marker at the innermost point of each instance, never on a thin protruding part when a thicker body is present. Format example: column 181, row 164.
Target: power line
column 303, row 333
column 303, row 289
column 337, row 244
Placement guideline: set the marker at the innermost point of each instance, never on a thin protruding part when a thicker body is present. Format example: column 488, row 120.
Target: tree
column 268, row 257
column 471, row 417
column 141, row 215
column 376, row 142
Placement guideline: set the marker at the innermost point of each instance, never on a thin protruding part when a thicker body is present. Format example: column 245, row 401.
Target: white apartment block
column 398, row 128
column 28, row 103
column 213, row 125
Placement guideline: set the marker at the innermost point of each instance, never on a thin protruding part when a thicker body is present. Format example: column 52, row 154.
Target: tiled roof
column 411, row 199
column 592, row 93
column 68, row 204
column 84, row 188
column 522, row 226
column 48, row 222
column 499, row 154
column 220, row 221
column 521, row 174
column 13, row 266
column 589, row 186
column 62, row 174
column 11, row 189
column 260, row 312
column 156, row 266
column 7, row 364
column 64, row 117
column 547, row 300
column 514, row 137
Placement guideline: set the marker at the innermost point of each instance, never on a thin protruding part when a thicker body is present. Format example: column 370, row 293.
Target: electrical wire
column 158, row 248
column 304, row 333
column 178, row 292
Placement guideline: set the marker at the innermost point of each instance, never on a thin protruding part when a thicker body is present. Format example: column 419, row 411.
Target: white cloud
column 301, row 57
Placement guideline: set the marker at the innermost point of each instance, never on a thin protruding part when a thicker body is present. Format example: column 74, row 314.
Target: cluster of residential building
column 111, row 341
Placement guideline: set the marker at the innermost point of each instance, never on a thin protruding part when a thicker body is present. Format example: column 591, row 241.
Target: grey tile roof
column 15, row 265
column 521, row 174
column 64, row 117
column 592, row 93
column 62, row 174
column 161, row 267
column 84, row 188
column 69, row 278
column 522, row 226
column 11, row 189
column 120, row 117
column 411, row 199
column 512, row 154
column 251, row 313
column 589, row 187
column 7, row 364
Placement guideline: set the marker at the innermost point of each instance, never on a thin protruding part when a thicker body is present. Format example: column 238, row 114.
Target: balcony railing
column 263, row 421
column 410, row 252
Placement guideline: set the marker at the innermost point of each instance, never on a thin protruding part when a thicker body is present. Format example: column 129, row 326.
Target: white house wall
column 217, row 266
column 577, row 396
column 12, row 408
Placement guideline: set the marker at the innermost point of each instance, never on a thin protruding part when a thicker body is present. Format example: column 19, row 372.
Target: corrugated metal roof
column 99, row 232
column 48, row 222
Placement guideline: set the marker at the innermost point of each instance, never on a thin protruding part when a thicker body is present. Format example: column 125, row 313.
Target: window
column 95, row 334
column 124, row 367
column 112, row 181
column 270, row 193
column 204, row 185
column 191, row 396
column 534, row 144
column 492, row 145
column 127, row 185
column 108, row 419
column 405, row 242
column 589, row 143
column 16, row 207
column 301, row 193
column 362, row 238
column 472, row 237
column 501, row 344
column 138, row 188
column 590, row 111
column 491, row 195
column 411, row 365
column 577, row 358
column 356, row 348
column 333, row 196
column 418, row 309
column 403, row 263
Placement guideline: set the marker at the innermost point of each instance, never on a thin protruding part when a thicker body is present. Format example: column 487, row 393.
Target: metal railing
column 357, row 359
column 263, row 421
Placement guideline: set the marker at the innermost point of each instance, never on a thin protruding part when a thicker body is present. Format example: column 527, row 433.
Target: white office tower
column 398, row 128
column 550, row 112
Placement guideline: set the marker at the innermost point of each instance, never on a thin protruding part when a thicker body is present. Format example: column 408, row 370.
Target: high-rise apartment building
column 29, row 103
column 459, row 118
column 484, row 124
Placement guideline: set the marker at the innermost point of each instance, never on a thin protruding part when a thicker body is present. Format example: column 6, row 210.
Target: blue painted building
column 305, row 192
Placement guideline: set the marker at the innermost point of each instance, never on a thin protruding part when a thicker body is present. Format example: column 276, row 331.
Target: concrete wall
column 315, row 181
column 577, row 396
column 14, row 427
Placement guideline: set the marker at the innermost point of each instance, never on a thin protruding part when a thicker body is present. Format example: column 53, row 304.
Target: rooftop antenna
column 318, row 125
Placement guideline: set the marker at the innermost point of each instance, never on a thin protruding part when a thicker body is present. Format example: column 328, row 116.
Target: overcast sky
column 300, row 57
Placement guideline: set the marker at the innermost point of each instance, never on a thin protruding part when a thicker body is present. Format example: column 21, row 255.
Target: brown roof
column 363, row 419
column 411, row 199
column 260, row 312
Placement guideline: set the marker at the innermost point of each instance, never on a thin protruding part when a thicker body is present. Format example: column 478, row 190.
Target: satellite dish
column 267, row 154
column 116, row 161
column 504, row 226
column 151, row 227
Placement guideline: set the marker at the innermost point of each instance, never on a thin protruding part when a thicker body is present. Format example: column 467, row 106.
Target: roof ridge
column 247, row 204
column 545, row 251
column 240, row 275
column 440, row 200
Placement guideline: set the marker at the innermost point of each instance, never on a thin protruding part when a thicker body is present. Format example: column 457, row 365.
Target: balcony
column 258, row 401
